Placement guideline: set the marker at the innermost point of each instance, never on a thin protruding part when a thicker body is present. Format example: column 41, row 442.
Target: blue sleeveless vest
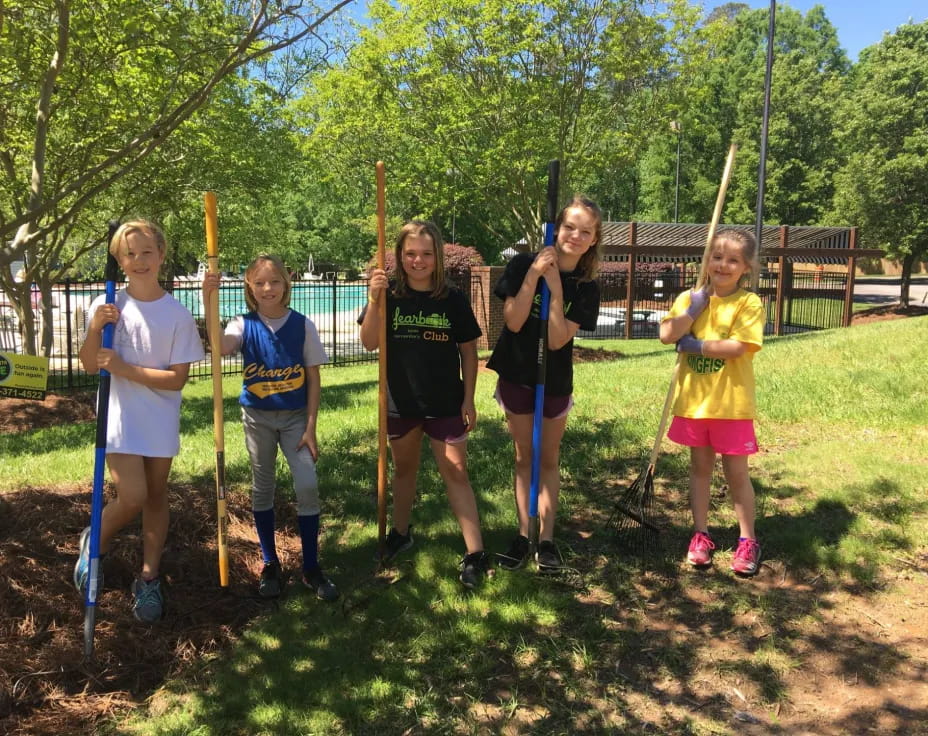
column 273, row 375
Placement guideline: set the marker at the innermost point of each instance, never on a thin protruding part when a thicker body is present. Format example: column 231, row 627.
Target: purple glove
column 689, row 344
column 698, row 302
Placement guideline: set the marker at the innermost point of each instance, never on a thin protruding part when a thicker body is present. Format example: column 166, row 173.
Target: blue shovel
column 554, row 170
column 96, row 504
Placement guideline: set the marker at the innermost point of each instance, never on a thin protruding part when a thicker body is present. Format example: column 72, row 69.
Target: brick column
column 487, row 308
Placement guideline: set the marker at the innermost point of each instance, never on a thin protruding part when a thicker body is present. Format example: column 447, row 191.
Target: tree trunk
column 48, row 318
column 906, row 279
column 22, row 303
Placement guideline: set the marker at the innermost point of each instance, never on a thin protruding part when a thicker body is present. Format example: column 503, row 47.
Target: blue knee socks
column 309, row 538
column 264, row 524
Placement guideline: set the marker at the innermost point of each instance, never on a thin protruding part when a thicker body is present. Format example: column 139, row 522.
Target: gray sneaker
column 317, row 581
column 396, row 543
column 548, row 557
column 148, row 606
column 269, row 584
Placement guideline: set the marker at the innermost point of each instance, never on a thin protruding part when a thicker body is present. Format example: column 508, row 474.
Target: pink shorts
column 514, row 398
column 444, row 429
column 725, row 436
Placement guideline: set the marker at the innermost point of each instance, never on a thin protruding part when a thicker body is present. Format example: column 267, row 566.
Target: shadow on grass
column 620, row 647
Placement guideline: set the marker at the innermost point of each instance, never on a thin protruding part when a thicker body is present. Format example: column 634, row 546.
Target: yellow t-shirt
column 720, row 388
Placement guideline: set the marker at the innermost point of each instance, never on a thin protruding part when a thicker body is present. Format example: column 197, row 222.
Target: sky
column 860, row 23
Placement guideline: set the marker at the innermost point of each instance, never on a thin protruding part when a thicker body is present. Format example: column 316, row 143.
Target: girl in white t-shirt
column 281, row 355
column 719, row 326
column 154, row 342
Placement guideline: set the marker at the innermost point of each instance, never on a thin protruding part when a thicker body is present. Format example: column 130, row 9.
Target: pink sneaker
column 747, row 557
column 700, row 552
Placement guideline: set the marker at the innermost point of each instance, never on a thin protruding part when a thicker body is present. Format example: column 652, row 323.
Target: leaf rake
column 633, row 516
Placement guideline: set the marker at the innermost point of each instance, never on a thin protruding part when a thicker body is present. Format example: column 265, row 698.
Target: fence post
column 781, row 268
column 849, row 286
column 67, row 330
column 335, row 316
column 630, row 285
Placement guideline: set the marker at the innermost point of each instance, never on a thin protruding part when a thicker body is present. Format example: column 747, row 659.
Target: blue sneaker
column 82, row 566
column 148, row 606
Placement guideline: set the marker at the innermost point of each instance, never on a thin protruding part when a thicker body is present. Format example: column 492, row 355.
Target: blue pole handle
column 544, row 306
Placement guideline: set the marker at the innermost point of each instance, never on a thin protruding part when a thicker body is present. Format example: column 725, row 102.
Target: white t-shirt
column 146, row 421
column 313, row 351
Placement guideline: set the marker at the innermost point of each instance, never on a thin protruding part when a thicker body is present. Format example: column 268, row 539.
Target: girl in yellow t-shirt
column 718, row 326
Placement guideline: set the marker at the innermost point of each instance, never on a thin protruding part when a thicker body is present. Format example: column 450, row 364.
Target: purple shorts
column 725, row 436
column 444, row 429
column 516, row 399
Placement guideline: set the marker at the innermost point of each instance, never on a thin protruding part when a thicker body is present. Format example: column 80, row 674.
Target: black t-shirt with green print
column 515, row 356
column 423, row 362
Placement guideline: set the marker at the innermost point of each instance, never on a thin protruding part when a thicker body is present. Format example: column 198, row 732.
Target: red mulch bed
column 890, row 311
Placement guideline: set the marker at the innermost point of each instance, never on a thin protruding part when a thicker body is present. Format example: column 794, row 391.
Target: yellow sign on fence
column 23, row 376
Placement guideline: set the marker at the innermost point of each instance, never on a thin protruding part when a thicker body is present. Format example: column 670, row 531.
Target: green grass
column 841, row 490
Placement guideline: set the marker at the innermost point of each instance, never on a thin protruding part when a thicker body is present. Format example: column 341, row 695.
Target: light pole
column 762, row 168
column 454, row 200
column 677, row 128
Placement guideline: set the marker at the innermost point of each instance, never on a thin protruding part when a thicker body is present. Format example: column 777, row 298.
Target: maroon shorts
column 444, row 429
column 514, row 398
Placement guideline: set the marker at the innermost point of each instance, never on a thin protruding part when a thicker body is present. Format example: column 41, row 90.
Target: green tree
column 884, row 185
column 724, row 103
column 466, row 101
column 92, row 90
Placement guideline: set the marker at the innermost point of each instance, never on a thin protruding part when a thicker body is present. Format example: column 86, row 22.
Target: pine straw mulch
column 44, row 687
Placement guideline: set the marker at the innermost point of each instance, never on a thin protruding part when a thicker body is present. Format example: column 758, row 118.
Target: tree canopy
column 466, row 101
column 884, row 184
column 92, row 91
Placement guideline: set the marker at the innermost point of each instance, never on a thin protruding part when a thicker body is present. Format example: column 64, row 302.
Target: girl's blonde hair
column 421, row 228
column 589, row 261
column 121, row 236
column 748, row 246
column 281, row 271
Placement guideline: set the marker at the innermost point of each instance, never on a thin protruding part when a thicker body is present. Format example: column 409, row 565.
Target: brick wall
column 487, row 308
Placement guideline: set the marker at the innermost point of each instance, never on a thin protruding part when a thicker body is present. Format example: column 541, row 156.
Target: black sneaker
column 514, row 557
column 473, row 566
column 548, row 558
column 269, row 584
column 396, row 543
column 317, row 581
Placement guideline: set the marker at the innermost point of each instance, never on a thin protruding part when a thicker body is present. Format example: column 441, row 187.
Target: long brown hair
column 589, row 261
column 421, row 228
column 281, row 271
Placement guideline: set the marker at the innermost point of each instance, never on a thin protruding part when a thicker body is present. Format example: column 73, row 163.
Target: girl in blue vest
column 281, row 354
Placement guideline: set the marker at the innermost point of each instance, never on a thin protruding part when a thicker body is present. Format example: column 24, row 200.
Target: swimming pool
column 313, row 300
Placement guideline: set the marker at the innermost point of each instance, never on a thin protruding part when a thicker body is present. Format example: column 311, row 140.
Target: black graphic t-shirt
column 515, row 356
column 423, row 363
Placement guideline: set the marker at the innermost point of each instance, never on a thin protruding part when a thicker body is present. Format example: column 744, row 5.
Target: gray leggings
column 264, row 431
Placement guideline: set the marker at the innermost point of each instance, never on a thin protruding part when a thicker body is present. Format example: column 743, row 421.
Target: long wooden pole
column 382, row 365
column 215, row 359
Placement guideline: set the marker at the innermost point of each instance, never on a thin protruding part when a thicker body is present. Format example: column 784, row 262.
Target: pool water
column 309, row 299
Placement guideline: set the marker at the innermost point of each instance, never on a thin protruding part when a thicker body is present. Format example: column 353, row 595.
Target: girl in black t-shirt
column 568, row 268
column 431, row 376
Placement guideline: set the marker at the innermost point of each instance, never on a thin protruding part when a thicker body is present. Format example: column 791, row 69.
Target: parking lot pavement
column 886, row 291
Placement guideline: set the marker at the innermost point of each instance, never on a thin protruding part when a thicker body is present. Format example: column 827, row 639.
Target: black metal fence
column 332, row 304
column 812, row 300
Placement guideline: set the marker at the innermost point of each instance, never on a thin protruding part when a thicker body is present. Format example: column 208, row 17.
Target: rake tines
column 633, row 520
